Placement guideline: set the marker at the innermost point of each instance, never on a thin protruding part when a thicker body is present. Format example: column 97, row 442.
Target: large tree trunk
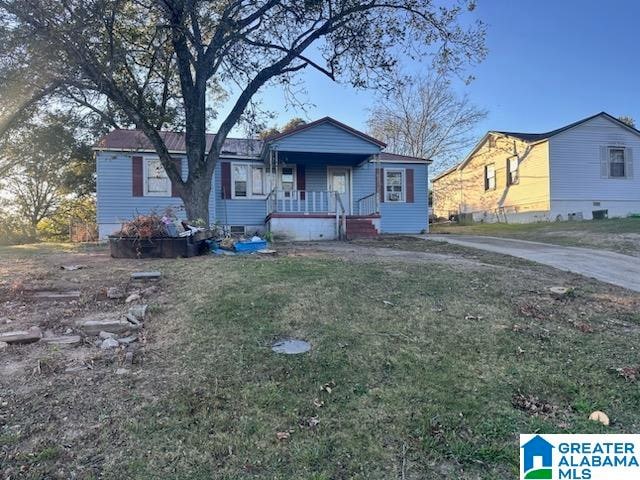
column 196, row 199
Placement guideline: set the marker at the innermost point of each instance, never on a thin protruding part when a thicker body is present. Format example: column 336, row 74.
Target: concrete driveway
column 610, row 267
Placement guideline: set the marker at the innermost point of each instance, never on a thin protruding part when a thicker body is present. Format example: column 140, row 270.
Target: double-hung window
column 248, row 180
column 512, row 171
column 394, row 185
column 490, row 177
column 617, row 162
column 156, row 180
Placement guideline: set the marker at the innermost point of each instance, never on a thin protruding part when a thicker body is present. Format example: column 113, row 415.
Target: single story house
column 322, row 180
column 583, row 170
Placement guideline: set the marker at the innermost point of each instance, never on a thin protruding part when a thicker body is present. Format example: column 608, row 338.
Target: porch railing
column 301, row 201
column 368, row 205
column 310, row 202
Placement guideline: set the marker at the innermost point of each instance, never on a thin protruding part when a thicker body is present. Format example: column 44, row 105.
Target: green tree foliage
column 165, row 63
column 50, row 172
column 628, row 120
column 295, row 122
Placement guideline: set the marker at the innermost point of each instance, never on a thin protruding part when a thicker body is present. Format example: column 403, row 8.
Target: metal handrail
column 368, row 204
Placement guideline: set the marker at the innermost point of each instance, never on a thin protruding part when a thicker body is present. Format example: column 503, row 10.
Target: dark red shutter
column 409, row 181
column 178, row 162
column 380, row 182
column 300, row 180
column 225, row 177
column 138, row 188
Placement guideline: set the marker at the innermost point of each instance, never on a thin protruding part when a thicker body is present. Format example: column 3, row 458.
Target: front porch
column 320, row 215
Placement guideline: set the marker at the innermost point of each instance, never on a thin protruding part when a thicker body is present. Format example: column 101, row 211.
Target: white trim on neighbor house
column 403, row 181
column 145, row 179
column 349, row 208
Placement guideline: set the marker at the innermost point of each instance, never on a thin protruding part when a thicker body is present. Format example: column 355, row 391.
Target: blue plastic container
column 250, row 246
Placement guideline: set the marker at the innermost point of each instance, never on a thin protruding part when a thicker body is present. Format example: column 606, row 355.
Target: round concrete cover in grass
column 291, row 346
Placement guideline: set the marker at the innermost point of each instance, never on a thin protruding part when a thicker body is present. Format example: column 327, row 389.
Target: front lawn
column 617, row 234
column 417, row 370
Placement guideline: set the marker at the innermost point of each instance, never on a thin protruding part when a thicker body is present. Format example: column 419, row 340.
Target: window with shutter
column 394, row 185
column 616, row 162
column 156, row 180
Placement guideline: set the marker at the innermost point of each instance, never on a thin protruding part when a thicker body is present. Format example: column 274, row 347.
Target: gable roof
column 332, row 121
column 136, row 140
column 533, row 138
column 536, row 137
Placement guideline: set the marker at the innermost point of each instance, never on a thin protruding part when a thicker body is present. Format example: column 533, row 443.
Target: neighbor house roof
column 332, row 121
column 533, row 138
column 136, row 140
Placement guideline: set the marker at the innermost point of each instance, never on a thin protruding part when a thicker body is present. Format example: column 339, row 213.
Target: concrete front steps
column 361, row 227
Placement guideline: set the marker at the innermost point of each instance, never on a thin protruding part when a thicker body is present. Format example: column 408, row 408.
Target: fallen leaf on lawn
column 283, row 436
column 313, row 422
column 72, row 268
column 473, row 317
column 520, row 351
column 318, row 403
column 328, row 387
column 630, row 374
column 599, row 416
column 387, row 302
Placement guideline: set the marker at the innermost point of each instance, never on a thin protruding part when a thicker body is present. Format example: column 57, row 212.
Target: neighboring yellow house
column 582, row 170
column 502, row 175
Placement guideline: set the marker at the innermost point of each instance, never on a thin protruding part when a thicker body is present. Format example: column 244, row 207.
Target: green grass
column 45, row 248
column 616, row 234
column 415, row 377
column 422, row 388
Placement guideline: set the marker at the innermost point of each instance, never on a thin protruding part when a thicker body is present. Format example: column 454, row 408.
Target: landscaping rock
column 149, row 291
column 104, row 335
column 94, row 327
column 128, row 358
column 63, row 340
column 132, row 298
column 122, row 371
column 57, row 296
column 115, row 293
column 138, row 312
column 109, row 343
column 128, row 340
column 560, row 292
column 32, row 335
column 145, row 276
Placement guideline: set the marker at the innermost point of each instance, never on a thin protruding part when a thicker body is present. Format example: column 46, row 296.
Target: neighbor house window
column 490, row 177
column 248, row 180
column 616, row 162
column 512, row 171
column 394, row 185
column 156, row 180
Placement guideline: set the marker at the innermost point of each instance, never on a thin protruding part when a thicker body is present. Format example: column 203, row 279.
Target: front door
column 339, row 180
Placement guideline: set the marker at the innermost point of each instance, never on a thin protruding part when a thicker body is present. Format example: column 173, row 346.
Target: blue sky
column 549, row 63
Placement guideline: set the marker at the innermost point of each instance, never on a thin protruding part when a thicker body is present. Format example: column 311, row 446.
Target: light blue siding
column 326, row 138
column 114, row 191
column 413, row 217
column 236, row 211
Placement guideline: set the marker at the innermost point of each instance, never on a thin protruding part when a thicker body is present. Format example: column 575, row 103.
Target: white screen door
column 339, row 180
